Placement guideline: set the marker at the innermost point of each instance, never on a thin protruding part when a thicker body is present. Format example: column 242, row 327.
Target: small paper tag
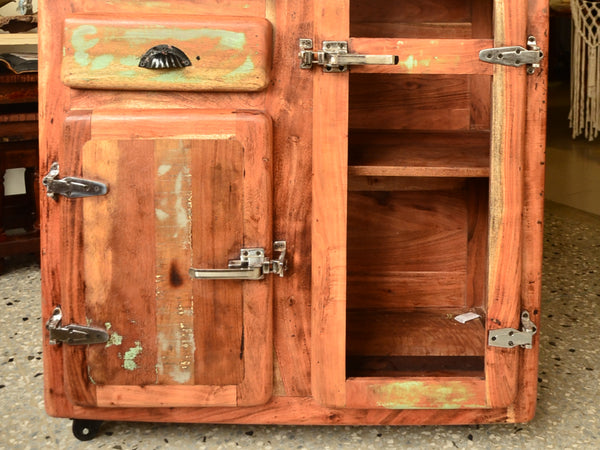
column 463, row 318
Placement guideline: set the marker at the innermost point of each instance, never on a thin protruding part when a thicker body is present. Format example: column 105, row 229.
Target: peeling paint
column 115, row 338
column 82, row 44
column 130, row 60
column 102, row 62
column 227, row 39
column 130, row 355
column 161, row 215
column 163, row 169
column 244, row 69
column 419, row 394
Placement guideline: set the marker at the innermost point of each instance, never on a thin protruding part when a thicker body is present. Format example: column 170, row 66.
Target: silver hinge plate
column 515, row 56
column 71, row 187
column 252, row 265
column 510, row 338
column 73, row 334
column 335, row 57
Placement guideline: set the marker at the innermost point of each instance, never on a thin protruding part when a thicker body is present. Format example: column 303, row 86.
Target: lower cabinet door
column 186, row 189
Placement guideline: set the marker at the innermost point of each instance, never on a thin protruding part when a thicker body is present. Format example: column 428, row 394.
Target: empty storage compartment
column 416, row 259
column 440, row 19
column 418, row 200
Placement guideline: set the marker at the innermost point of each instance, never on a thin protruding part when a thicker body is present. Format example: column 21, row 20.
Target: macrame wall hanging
column 585, row 69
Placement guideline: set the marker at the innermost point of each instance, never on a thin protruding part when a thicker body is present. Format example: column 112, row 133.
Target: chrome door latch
column 71, row 187
column 515, row 56
column 335, row 57
column 73, row 334
column 510, row 338
column 252, row 265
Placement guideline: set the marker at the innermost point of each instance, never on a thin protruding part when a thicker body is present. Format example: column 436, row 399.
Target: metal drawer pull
column 164, row 57
column 252, row 265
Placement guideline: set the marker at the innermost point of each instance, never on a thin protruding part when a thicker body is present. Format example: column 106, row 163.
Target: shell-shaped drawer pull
column 164, row 57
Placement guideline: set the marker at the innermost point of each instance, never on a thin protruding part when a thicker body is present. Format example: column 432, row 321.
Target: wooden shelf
column 18, row 38
column 417, row 154
column 413, row 333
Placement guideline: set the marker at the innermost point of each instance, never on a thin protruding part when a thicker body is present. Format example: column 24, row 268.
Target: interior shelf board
column 417, row 154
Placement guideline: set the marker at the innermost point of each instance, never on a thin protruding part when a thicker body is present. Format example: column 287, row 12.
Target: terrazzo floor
column 569, row 379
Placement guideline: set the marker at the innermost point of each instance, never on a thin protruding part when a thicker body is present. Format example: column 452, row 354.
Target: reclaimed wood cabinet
column 275, row 212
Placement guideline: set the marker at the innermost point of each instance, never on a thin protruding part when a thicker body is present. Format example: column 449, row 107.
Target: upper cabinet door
column 186, row 189
column 417, row 205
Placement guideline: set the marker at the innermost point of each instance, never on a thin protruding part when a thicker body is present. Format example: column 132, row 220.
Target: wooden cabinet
column 406, row 194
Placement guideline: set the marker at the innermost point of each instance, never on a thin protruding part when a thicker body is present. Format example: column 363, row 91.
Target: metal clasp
column 335, row 57
column 73, row 334
column 515, row 56
column 252, row 265
column 510, row 338
column 71, row 187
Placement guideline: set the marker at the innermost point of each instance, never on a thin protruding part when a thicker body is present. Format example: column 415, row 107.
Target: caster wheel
column 86, row 430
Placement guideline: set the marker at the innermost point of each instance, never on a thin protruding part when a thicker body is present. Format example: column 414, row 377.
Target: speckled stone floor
column 569, row 380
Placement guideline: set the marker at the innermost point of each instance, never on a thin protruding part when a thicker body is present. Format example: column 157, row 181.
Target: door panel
column 178, row 198
column 396, row 164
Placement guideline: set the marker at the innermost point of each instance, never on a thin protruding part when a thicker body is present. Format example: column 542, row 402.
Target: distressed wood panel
column 226, row 53
column 329, row 193
column 506, row 204
column 424, row 56
column 154, row 396
column 411, row 393
column 292, row 176
column 173, row 228
column 118, row 261
column 218, row 201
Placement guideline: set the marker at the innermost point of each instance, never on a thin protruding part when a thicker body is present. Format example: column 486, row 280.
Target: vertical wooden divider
column 523, row 409
column 506, row 203
column 330, row 190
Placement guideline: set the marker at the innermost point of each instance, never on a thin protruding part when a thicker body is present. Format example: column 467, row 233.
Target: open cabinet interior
column 418, row 201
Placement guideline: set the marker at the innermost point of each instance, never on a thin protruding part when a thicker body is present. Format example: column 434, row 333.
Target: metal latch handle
column 335, row 57
column 252, row 265
column 73, row 334
column 71, row 187
column 515, row 56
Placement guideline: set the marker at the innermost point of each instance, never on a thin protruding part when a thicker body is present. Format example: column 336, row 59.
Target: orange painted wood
column 154, row 396
column 533, row 213
column 217, row 237
column 425, row 332
column 416, row 393
column 292, row 176
column 506, row 204
column 226, row 53
column 329, row 193
column 424, row 56
column 286, row 101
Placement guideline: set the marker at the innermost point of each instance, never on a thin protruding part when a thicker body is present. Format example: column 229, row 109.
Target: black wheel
column 86, row 430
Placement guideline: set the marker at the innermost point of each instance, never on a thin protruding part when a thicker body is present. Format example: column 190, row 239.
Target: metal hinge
column 73, row 334
column 71, row 187
column 509, row 337
column 335, row 57
column 252, row 265
column 515, row 56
